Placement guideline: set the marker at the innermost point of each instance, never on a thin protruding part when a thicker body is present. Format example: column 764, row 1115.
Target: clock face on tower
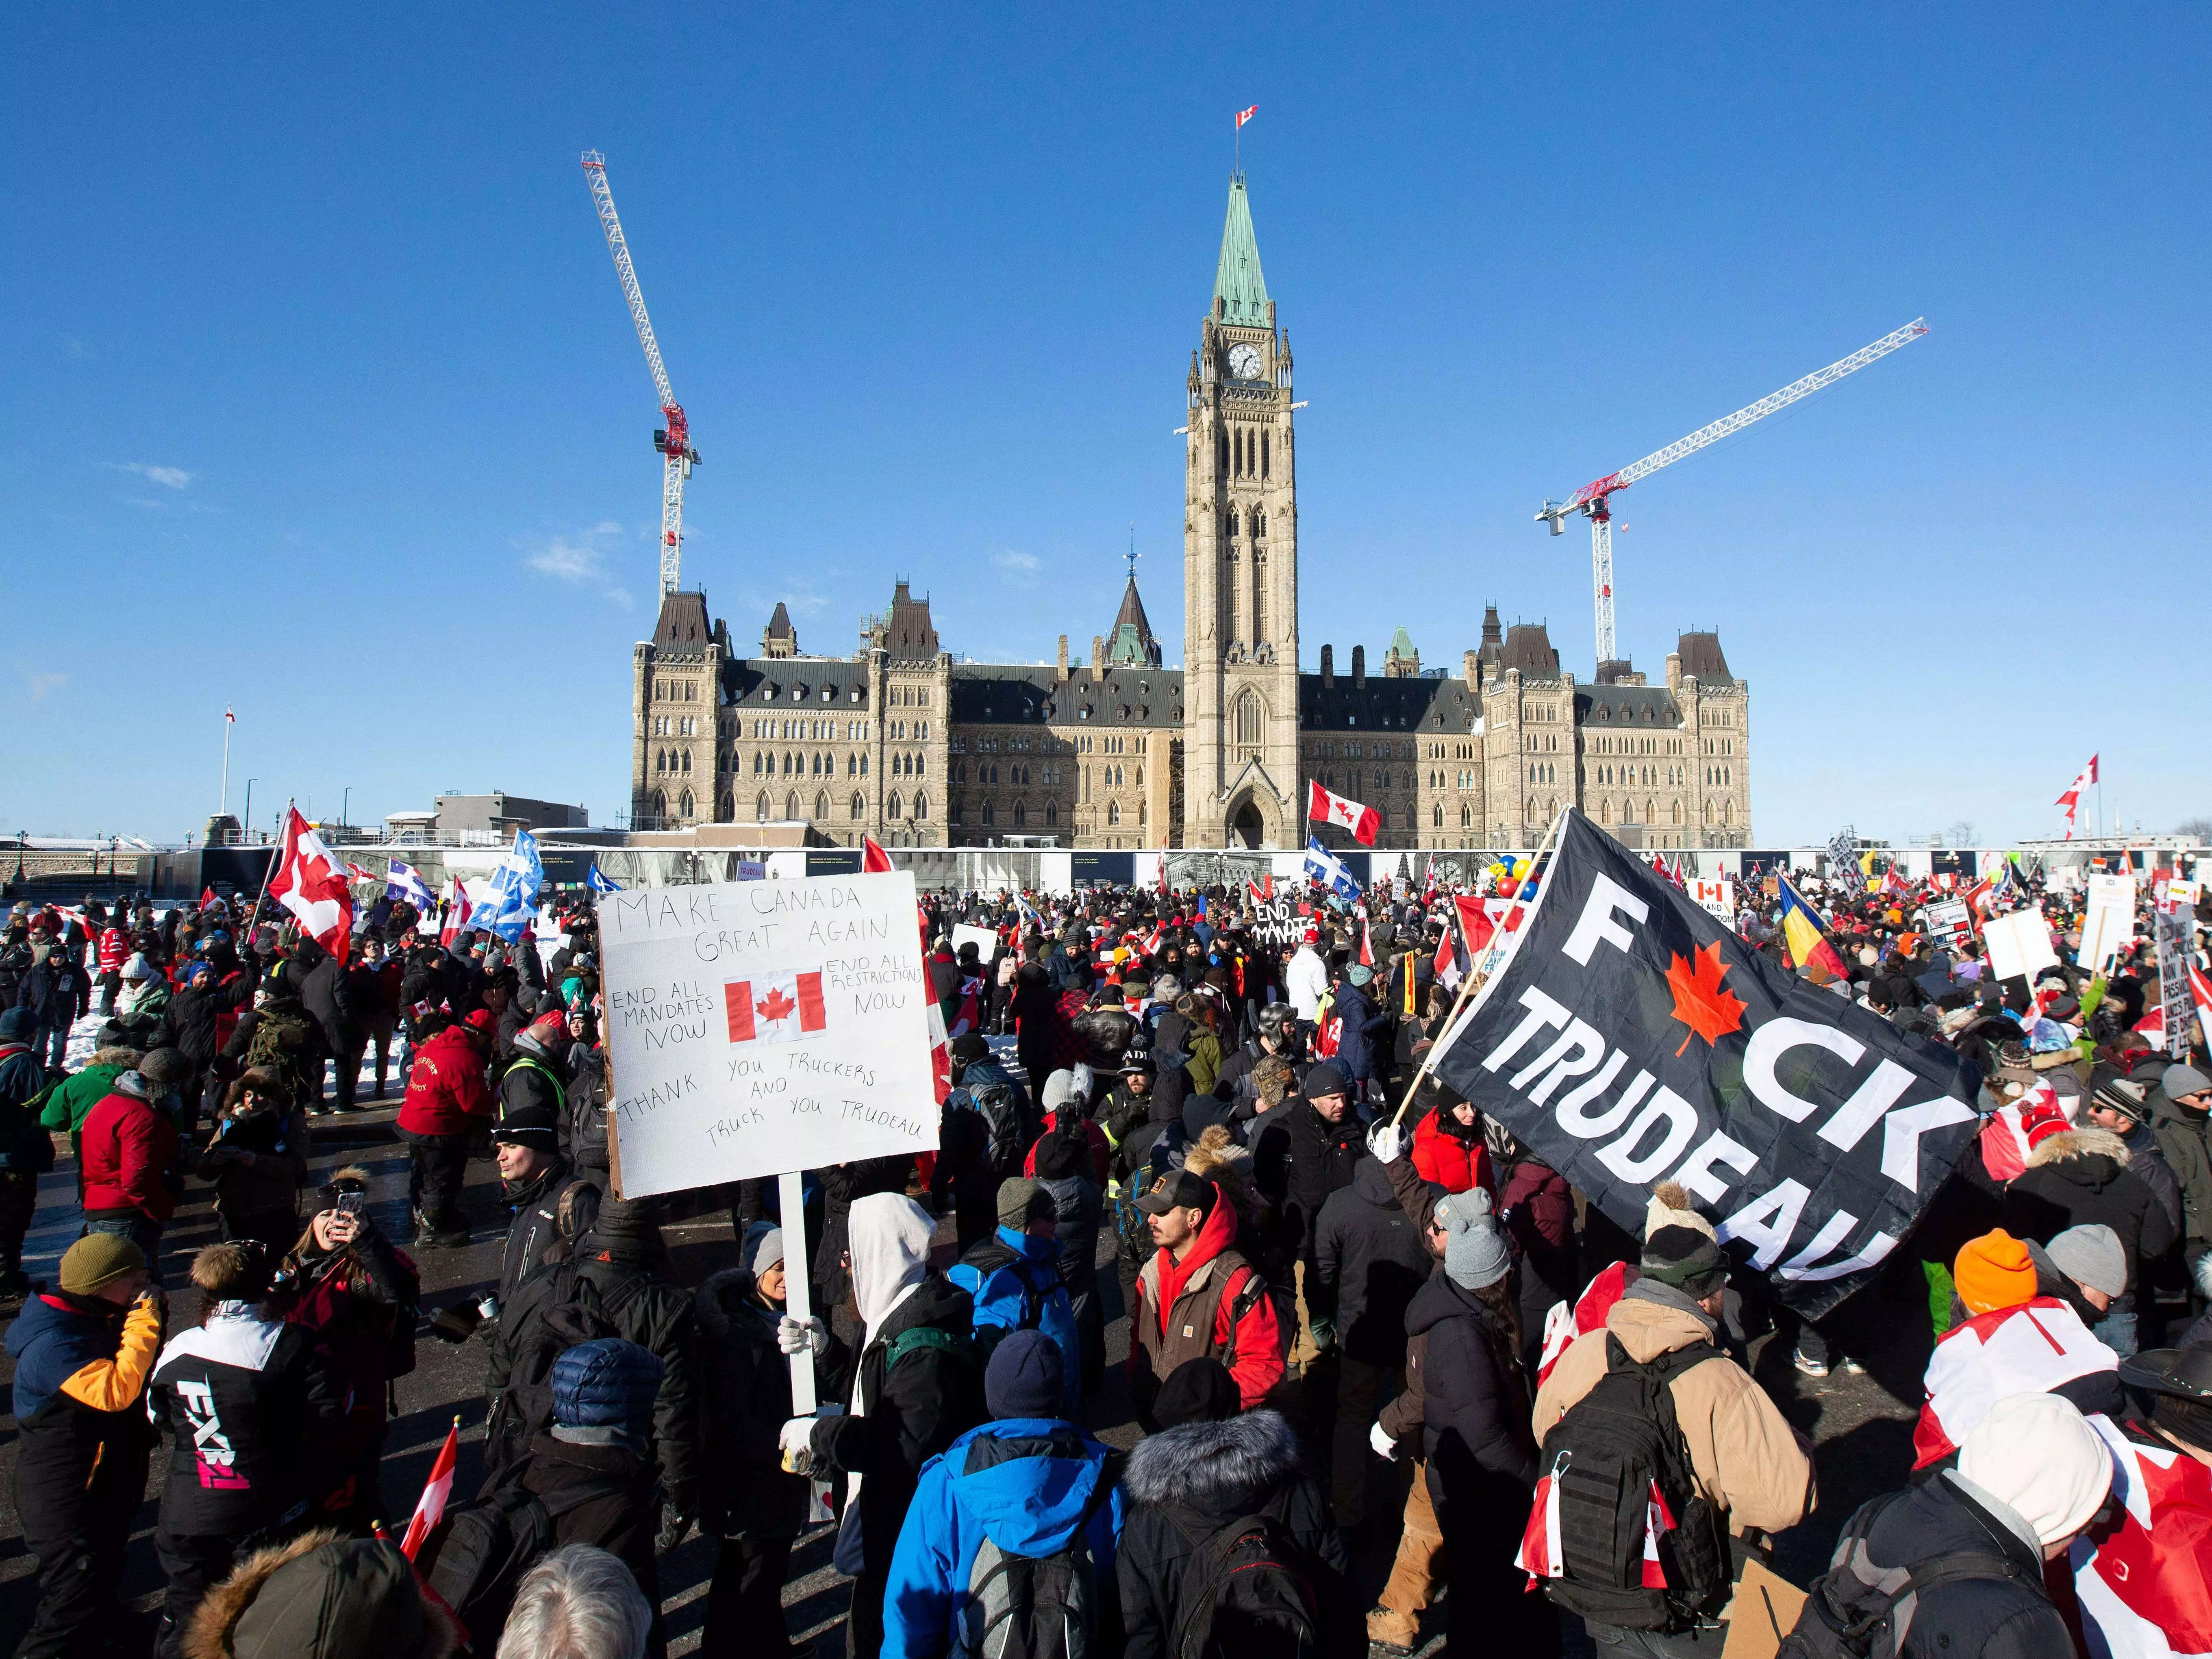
column 1245, row 361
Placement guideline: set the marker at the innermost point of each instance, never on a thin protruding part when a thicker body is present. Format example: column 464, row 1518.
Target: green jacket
column 2183, row 1138
column 70, row 1101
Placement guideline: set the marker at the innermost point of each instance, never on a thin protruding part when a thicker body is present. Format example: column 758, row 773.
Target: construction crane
column 672, row 440
column 1595, row 498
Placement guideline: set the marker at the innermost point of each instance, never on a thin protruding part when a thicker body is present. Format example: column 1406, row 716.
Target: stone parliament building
column 901, row 742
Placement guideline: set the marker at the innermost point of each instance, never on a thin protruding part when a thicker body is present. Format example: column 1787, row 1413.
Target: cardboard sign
column 2108, row 923
column 2019, row 944
column 1765, row 1610
column 1718, row 896
column 754, row 1028
column 985, row 941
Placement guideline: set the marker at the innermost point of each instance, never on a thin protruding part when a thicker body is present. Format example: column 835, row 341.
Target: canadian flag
column 1323, row 807
column 940, row 1054
column 1474, row 922
column 2071, row 800
column 1564, row 1323
column 1542, row 1554
column 311, row 885
column 1366, row 946
column 779, row 1008
column 1658, row 1521
column 1244, row 115
column 430, row 1508
column 1151, row 945
column 874, row 861
column 2011, row 1134
column 457, row 914
column 2200, row 993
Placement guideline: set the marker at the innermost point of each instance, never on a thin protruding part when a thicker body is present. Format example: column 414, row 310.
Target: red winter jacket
column 127, row 1151
column 446, row 1093
column 114, row 950
column 1454, row 1164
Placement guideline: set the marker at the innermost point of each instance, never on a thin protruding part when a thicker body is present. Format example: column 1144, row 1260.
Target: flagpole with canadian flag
column 431, row 1507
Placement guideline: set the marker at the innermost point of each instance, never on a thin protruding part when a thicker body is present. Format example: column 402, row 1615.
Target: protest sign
column 1278, row 922
column 1718, row 897
column 2108, row 922
column 2019, row 944
column 754, row 1028
column 985, row 941
column 1629, row 1038
column 1951, row 916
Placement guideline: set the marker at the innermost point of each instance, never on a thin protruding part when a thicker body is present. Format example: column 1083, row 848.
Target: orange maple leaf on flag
column 1699, row 1002
column 775, row 1005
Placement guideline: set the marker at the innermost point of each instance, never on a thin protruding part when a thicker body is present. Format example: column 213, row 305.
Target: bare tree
column 2196, row 829
column 1961, row 834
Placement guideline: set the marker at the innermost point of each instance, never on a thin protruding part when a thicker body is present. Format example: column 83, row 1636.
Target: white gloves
column 1386, row 1448
column 794, row 1335
column 1387, row 1141
column 797, row 1443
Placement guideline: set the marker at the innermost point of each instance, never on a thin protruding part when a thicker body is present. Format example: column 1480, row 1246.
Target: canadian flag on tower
column 311, row 885
column 1322, row 807
column 1244, row 115
column 2071, row 800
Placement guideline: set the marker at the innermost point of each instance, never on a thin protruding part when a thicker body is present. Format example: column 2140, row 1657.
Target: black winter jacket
column 1319, row 1157
column 657, row 1315
column 744, row 1396
column 914, row 1411
column 2080, row 1178
column 1223, row 1471
column 251, row 1413
column 556, row 1209
column 1372, row 1261
column 1967, row 1618
column 328, row 1002
column 619, row 1511
column 1481, row 1451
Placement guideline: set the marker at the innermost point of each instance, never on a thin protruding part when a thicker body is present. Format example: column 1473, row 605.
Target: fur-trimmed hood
column 352, row 1607
column 2070, row 1145
column 1217, row 1468
column 722, row 1298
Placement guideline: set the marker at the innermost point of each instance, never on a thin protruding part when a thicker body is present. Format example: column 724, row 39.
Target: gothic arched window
column 1263, row 455
column 687, row 803
column 891, row 807
column 821, row 807
column 1250, row 718
column 760, row 806
column 920, row 804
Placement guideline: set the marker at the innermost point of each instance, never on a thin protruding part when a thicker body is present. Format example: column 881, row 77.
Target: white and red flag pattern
column 1542, row 1555
column 874, row 861
column 430, row 1508
column 2029, row 1349
column 778, row 1008
column 457, row 914
column 311, row 885
column 2012, row 1133
column 2145, row 1590
column 1322, row 807
column 1244, row 115
column 2071, row 800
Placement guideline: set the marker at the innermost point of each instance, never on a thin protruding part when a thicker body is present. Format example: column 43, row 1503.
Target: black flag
column 1632, row 1038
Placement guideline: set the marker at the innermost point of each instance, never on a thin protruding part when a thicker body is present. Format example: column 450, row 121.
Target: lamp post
column 246, row 831
column 345, row 801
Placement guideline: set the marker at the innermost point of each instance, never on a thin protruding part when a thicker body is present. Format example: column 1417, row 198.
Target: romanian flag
column 1807, row 940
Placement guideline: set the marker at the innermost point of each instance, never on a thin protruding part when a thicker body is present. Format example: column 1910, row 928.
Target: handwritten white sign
column 757, row 1027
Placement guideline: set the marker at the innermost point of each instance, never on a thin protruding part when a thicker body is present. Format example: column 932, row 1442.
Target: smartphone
column 351, row 1203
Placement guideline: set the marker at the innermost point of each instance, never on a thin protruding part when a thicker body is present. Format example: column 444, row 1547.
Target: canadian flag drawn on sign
column 779, row 1008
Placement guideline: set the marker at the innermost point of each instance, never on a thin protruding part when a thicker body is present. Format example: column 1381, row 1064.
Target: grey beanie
column 763, row 1249
column 2091, row 1255
column 1475, row 1250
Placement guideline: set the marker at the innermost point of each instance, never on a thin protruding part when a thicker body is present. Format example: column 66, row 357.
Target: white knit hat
column 2036, row 1453
column 1670, row 1208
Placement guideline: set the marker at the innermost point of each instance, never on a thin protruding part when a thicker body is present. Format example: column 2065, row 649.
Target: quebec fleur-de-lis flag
column 1631, row 1038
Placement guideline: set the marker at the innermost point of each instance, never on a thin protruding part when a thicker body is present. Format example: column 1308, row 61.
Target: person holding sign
column 919, row 1387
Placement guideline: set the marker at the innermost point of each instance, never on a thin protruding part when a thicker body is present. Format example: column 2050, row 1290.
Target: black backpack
column 1248, row 1591
column 1852, row 1611
column 1050, row 1607
column 1605, row 1455
column 553, row 1309
column 1007, row 1123
column 482, row 1548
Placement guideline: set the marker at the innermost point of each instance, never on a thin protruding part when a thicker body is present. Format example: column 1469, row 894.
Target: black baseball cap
column 1179, row 1189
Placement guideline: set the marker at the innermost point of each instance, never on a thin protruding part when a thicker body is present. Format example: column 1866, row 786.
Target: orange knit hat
column 1994, row 1270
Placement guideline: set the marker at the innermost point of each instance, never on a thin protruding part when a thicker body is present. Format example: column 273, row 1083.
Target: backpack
column 280, row 1036
column 552, row 1310
column 1850, row 1613
column 1003, row 1118
column 1248, row 1591
column 485, row 1546
column 914, row 1339
column 1612, row 1446
column 1022, row 1606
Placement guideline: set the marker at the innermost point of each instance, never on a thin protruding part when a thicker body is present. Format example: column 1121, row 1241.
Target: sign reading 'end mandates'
column 762, row 1026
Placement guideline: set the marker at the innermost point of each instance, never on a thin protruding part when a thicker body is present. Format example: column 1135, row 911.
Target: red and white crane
column 1595, row 498
column 673, row 440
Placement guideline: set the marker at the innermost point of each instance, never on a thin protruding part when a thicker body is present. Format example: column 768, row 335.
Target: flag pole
column 276, row 856
column 222, row 807
column 1473, row 979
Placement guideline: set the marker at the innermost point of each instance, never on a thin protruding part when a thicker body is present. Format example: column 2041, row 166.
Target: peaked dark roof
column 909, row 635
column 1133, row 610
column 1529, row 649
column 1701, row 655
column 778, row 625
column 682, row 624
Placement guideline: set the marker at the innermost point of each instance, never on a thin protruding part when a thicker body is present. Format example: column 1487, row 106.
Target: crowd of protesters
column 1342, row 1280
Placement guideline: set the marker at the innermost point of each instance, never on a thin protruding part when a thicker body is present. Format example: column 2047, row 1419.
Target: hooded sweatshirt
column 1246, row 1335
column 1026, row 1486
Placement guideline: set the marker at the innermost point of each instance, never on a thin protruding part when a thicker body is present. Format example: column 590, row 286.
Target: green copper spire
column 1237, row 283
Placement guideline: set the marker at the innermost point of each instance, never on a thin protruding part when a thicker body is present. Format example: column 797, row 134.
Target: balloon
column 1520, row 866
column 1506, row 886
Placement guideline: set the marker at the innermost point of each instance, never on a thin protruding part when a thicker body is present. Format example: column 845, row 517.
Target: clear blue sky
column 321, row 400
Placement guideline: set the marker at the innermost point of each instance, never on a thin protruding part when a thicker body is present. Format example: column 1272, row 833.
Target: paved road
column 1862, row 1424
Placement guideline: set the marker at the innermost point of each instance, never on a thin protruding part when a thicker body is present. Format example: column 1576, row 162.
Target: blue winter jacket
column 1016, row 1284
column 1022, row 1483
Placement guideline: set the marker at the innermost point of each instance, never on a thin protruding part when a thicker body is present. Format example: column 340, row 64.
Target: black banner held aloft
column 1631, row 1038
